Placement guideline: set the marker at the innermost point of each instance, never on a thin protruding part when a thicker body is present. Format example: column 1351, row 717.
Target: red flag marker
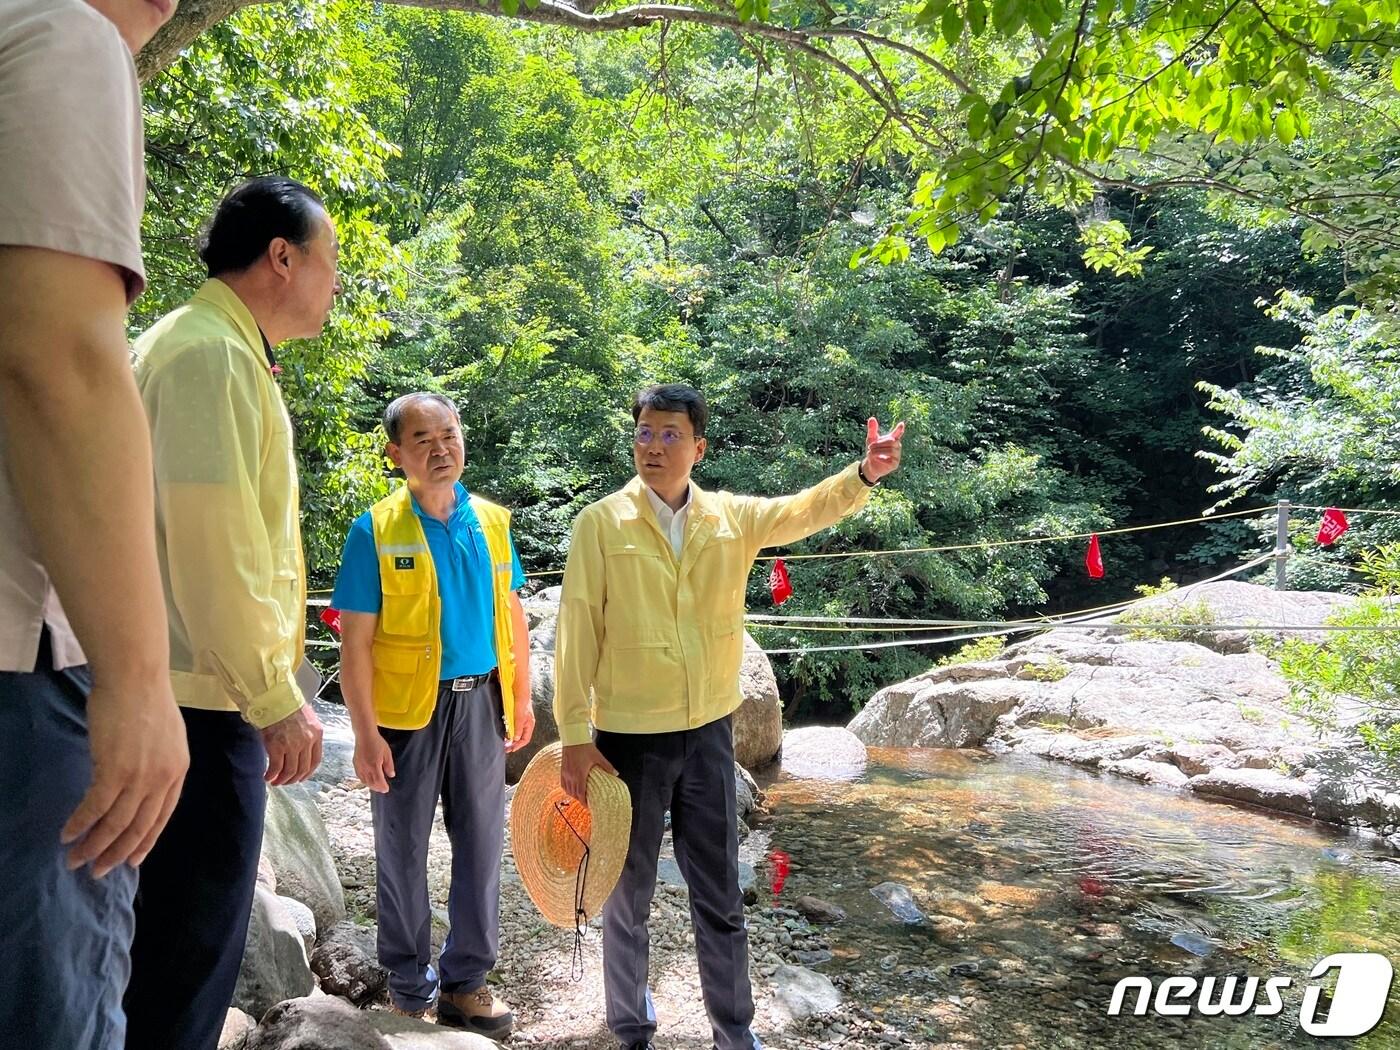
column 331, row 618
column 779, row 583
column 779, row 866
column 1334, row 523
column 1093, row 559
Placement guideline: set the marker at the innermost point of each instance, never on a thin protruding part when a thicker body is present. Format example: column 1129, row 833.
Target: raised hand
column 881, row 450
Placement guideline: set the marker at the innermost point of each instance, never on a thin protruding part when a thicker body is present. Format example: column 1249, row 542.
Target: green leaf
column 977, row 16
column 1285, row 127
column 1395, row 74
column 977, row 119
column 1008, row 16
column 931, row 12
column 952, row 25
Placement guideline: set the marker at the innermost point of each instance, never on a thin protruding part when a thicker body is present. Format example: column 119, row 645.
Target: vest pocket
column 394, row 673
column 406, row 601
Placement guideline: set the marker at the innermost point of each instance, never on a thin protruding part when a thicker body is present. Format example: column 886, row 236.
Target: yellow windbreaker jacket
column 648, row 643
column 227, row 531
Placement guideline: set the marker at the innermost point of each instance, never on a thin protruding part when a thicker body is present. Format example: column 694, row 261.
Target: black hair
column 252, row 216
column 674, row 397
column 393, row 415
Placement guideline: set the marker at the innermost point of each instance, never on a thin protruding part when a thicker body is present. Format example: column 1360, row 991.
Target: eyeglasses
column 644, row 435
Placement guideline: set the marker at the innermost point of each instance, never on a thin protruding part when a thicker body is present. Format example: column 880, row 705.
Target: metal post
column 1281, row 547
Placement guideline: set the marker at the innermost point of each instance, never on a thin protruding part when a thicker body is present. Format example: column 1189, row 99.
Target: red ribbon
column 779, row 584
column 1093, row 558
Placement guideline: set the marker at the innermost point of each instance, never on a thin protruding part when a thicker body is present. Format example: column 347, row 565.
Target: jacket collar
column 705, row 519
column 215, row 294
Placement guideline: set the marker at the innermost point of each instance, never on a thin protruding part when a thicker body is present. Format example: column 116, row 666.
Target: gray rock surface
column 347, row 963
column 823, row 753
column 296, row 844
column 802, row 993
column 237, row 1027
column 758, row 723
column 274, row 964
column 304, row 919
column 327, row 1023
column 1210, row 716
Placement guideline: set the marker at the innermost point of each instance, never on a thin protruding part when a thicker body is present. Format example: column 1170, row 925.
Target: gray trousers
column 458, row 756
column 65, row 937
column 691, row 773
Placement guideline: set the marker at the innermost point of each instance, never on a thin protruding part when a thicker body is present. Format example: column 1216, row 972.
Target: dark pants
column 196, row 891
column 691, row 773
column 64, row 936
column 458, row 756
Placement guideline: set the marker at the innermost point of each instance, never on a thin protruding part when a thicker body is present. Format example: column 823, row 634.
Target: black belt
column 466, row 683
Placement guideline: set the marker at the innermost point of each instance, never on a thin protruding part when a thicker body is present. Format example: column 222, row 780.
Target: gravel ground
column 554, row 1010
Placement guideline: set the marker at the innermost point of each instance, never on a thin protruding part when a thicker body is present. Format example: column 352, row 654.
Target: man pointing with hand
column 649, row 643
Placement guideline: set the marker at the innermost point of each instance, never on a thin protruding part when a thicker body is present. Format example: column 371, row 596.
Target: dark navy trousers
column 196, row 890
column 690, row 773
column 459, row 756
column 65, row 937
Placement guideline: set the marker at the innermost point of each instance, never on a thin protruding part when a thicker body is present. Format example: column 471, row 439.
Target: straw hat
column 548, row 833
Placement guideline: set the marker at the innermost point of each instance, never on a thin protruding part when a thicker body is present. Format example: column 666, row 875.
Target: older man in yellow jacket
column 650, row 638
column 229, row 544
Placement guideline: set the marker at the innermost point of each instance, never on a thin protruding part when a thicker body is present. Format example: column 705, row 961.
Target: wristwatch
column 860, row 470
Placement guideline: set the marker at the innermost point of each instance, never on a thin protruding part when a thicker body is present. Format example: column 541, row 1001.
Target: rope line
column 1026, row 541
column 992, row 544
column 1025, row 628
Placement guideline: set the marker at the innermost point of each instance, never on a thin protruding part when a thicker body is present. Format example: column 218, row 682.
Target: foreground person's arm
column 79, row 456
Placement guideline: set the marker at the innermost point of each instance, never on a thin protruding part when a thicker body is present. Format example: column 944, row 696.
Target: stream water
column 1038, row 886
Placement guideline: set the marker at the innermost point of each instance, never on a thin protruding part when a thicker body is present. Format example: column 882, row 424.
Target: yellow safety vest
column 407, row 638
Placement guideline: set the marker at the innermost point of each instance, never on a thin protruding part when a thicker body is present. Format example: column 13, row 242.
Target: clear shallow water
column 1054, row 883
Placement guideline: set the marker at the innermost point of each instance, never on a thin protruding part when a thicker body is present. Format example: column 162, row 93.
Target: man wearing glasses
column 650, row 638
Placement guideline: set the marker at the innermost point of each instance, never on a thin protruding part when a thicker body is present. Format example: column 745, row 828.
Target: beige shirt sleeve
column 578, row 640
column 72, row 172
column 224, row 569
column 787, row 519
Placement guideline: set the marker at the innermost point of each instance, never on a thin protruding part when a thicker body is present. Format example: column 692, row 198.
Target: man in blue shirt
column 435, row 674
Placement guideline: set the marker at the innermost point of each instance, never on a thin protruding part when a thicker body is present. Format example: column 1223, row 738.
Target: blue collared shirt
column 463, row 566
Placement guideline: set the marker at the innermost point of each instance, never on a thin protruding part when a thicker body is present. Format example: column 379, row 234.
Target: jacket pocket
column 643, row 677
column 724, row 655
column 395, row 678
column 406, row 602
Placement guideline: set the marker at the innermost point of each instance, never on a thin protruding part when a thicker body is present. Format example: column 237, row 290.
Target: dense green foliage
column 538, row 223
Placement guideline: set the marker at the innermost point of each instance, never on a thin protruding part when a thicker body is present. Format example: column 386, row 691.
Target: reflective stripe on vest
column 407, row 636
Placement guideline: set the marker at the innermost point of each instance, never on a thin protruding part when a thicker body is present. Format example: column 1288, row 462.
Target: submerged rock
column 900, row 901
column 1193, row 943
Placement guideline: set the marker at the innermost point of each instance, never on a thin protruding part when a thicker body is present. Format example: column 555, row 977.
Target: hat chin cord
column 580, row 879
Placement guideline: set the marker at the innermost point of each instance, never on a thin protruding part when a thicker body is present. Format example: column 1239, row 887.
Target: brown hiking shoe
column 478, row 1010
column 421, row 1014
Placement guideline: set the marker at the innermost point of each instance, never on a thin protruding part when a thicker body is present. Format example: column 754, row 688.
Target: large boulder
column 542, row 697
column 347, row 963
column 304, row 919
column 337, row 743
column 274, row 964
column 758, row 722
column 823, row 753
column 328, row 1023
column 1208, row 716
column 297, row 845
